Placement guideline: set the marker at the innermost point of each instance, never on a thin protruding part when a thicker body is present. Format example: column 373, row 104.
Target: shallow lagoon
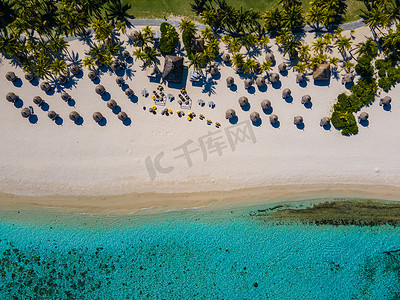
column 193, row 254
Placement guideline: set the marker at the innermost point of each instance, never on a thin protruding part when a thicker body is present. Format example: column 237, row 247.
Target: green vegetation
column 169, row 38
column 340, row 212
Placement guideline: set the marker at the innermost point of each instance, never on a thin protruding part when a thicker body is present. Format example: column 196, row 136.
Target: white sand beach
column 146, row 156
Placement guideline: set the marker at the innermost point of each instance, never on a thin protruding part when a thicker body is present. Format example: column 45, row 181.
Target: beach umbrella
column 348, row 78
column 92, row 75
column 305, row 99
column 65, row 96
column 230, row 81
column 298, row 120
column 282, row 67
column 274, row 77
column 243, row 101
column 214, row 70
column 273, row 118
column 363, row 116
column 25, row 112
column 11, row 97
column 230, row 113
column 97, row 116
column 260, row 81
column 74, row 69
column 226, row 58
column 120, row 81
column 286, row 93
column 62, row 79
column 38, row 100
column 74, row 116
column 265, row 104
column 52, row 115
column 45, row 86
column 325, row 121
column 10, row 76
column 129, row 92
column 248, row 83
column 386, row 100
column 270, row 57
column 300, row 77
column 133, row 36
column 29, row 76
column 100, row 89
column 111, row 104
column 122, row 116
column 126, row 54
column 254, row 116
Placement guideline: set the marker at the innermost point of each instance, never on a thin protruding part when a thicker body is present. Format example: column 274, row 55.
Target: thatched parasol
column 363, row 116
column 274, row 77
column 265, row 104
column 120, row 81
column 75, row 69
column 325, row 121
column 74, row 116
column 230, row 113
column 298, row 120
column 322, row 72
column 122, row 116
column 286, row 93
column 38, row 100
column 29, row 76
column 65, row 96
column 248, row 83
column 133, row 36
column 45, row 86
column 226, row 58
column 348, row 78
column 254, row 116
column 52, row 115
column 111, row 104
column 270, row 57
column 230, row 81
column 126, row 54
column 25, row 112
column 300, row 77
column 11, row 97
column 97, row 116
column 62, row 79
column 305, row 99
column 273, row 119
column 100, row 90
column 214, row 70
column 129, row 92
column 92, row 75
column 243, row 101
column 386, row 100
column 114, row 66
column 260, row 81
column 282, row 67
column 10, row 76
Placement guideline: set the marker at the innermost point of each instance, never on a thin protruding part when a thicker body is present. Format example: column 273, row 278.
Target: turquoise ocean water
column 193, row 254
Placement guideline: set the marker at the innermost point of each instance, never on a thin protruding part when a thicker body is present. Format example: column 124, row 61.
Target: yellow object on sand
column 169, row 110
column 154, row 107
column 178, row 112
column 189, row 118
column 201, row 116
column 209, row 121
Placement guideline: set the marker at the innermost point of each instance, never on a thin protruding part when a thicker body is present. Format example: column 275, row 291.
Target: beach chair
column 201, row 102
column 170, row 97
column 211, row 104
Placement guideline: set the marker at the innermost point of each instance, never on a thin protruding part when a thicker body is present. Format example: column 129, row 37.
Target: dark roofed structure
column 322, row 72
column 198, row 44
column 173, row 69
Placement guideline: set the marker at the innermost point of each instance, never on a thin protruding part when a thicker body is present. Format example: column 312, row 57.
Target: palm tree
column 235, row 45
column 187, row 26
column 102, row 29
column 250, row 65
column 394, row 10
column 272, row 19
column 369, row 47
column 301, row 67
column 266, row 67
column 292, row 16
column 315, row 14
column 42, row 69
column 334, row 61
column 149, row 56
column 348, row 66
column 58, row 45
column 89, row 62
column 264, row 41
column 238, row 61
column 58, row 67
column 207, row 33
column 197, row 61
column 304, row 52
column 343, row 44
column 142, row 40
column 289, row 43
column 213, row 46
column 120, row 26
column 148, row 33
column 249, row 41
column 319, row 45
column 375, row 18
column 117, row 11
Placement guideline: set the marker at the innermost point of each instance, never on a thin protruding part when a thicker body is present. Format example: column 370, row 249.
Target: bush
column 169, row 38
column 344, row 121
column 384, row 83
column 382, row 64
column 164, row 26
column 393, row 74
column 187, row 43
column 365, row 90
column 382, row 72
column 364, row 67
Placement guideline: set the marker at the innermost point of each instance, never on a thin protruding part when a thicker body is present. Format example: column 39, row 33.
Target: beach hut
column 38, row 100
column 29, row 76
column 214, row 70
column 254, row 116
column 62, row 79
column 363, row 117
column 347, row 78
column 129, row 92
column 122, row 116
column 97, row 116
column 65, row 96
column 270, row 57
column 173, row 69
column 45, row 86
column 11, row 97
column 274, row 77
column 286, row 93
column 52, row 115
column 226, row 58
column 300, row 77
column 243, row 101
column 298, row 120
column 111, row 104
column 265, row 104
column 230, row 114
column 273, row 118
column 120, row 81
column 230, row 81
column 325, row 121
column 25, row 112
column 282, row 67
column 322, row 72
column 75, row 69
column 248, row 83
column 10, row 76
column 260, row 81
column 92, row 75
column 125, row 54
column 74, row 116
column 305, row 99
column 100, row 90
column 385, row 101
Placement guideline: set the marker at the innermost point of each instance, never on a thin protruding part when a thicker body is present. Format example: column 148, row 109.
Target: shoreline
column 154, row 203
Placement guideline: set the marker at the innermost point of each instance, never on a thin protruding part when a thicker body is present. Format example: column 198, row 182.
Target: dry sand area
column 168, row 154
